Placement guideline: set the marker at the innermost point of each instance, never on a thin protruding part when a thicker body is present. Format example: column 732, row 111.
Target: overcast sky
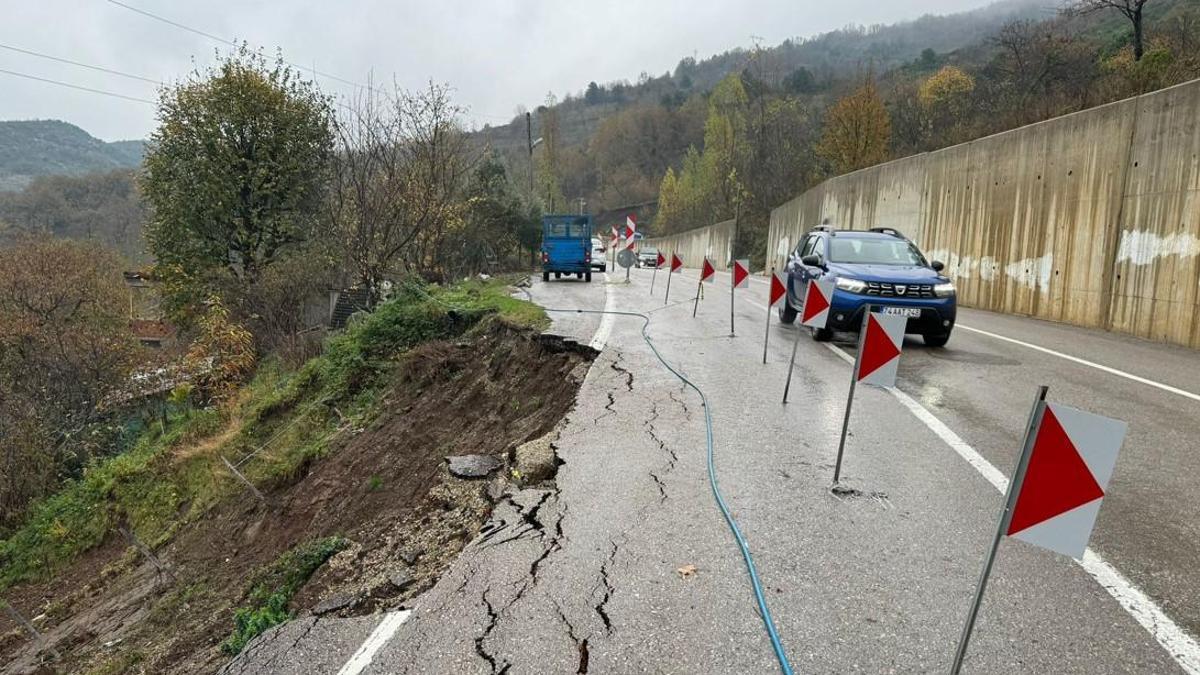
column 497, row 55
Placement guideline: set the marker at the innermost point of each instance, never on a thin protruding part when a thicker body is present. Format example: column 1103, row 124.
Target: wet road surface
column 587, row 574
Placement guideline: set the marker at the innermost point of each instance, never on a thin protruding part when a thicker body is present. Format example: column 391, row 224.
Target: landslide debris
column 360, row 510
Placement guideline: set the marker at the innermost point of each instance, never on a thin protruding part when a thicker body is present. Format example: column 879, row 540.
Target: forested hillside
column 741, row 132
column 32, row 148
column 100, row 207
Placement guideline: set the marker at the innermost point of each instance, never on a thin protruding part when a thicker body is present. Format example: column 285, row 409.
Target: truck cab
column 567, row 246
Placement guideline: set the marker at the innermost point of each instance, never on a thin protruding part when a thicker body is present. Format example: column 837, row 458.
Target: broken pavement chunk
column 333, row 604
column 473, row 466
column 400, row 578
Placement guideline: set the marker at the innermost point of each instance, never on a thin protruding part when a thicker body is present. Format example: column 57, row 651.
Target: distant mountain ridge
column 32, row 148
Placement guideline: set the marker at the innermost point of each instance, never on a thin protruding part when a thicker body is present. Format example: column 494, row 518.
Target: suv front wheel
column 936, row 340
column 787, row 313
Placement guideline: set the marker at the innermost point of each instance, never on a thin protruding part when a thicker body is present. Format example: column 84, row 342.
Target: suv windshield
column 649, row 251
column 874, row 251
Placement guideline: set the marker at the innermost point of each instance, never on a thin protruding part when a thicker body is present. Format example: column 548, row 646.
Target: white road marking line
column 600, row 337
column 1085, row 362
column 1181, row 646
column 379, row 637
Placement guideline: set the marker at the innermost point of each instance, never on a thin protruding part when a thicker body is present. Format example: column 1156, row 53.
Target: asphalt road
column 878, row 582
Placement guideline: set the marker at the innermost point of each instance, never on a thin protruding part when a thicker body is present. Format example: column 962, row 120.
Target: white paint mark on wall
column 987, row 268
column 1142, row 248
column 1032, row 271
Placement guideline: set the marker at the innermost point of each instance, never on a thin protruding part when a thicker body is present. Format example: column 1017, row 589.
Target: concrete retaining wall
column 1092, row 218
column 714, row 241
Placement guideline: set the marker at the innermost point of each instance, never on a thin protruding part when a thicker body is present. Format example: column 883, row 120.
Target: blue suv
column 877, row 267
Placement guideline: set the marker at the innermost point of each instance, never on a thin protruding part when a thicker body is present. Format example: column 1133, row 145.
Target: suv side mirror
column 813, row 260
column 937, row 265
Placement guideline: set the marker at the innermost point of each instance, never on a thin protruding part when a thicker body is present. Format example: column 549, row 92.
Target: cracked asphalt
column 584, row 577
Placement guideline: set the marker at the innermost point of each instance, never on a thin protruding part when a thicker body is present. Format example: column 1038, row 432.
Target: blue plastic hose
column 759, row 596
column 743, row 546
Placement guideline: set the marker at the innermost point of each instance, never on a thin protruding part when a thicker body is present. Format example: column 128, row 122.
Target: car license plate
column 910, row 312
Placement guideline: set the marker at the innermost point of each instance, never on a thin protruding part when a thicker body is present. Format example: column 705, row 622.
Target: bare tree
column 397, row 182
column 1130, row 9
column 1042, row 70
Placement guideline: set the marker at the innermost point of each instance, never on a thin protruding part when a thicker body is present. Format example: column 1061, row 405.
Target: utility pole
column 529, row 141
column 582, row 202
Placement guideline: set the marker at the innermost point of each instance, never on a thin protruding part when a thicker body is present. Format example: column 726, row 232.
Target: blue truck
column 567, row 246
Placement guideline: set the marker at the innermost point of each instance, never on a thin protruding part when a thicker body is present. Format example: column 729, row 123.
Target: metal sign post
column 653, row 278
column 767, row 330
column 699, row 290
column 670, row 273
column 792, row 362
column 732, row 291
column 1010, row 500
column 862, row 338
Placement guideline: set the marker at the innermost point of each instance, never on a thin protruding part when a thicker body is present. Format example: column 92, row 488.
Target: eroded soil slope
column 384, row 490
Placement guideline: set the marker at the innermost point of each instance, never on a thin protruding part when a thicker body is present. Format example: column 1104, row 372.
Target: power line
column 231, row 43
column 173, row 23
column 76, row 86
column 81, row 65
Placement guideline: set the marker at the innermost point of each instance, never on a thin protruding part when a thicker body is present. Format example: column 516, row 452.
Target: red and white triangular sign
column 879, row 349
column 1073, row 456
column 708, row 272
column 778, row 289
column 630, row 231
column 741, row 272
column 817, row 299
column 676, row 263
column 661, row 260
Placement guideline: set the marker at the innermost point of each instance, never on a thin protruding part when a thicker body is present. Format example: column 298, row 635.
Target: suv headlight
column 851, row 285
column 945, row 290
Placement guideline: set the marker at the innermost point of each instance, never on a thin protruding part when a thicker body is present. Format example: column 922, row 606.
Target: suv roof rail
column 823, row 226
column 889, row 230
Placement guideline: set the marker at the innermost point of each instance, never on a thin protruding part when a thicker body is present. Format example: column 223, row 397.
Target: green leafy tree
column 858, row 131
column 234, row 173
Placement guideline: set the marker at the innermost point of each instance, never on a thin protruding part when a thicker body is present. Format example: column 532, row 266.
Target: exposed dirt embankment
column 383, row 490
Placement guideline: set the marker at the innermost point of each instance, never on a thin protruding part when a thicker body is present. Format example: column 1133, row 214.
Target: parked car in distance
column 599, row 259
column 878, row 267
column 647, row 257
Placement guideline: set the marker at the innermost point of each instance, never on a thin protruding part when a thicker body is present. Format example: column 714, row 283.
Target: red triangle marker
column 676, row 263
column 661, row 260
column 815, row 302
column 877, row 350
column 739, row 273
column 1057, row 479
column 707, row 271
column 778, row 290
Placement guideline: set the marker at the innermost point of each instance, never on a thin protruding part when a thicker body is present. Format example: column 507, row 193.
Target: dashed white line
column 1181, row 646
column 1085, row 362
column 379, row 637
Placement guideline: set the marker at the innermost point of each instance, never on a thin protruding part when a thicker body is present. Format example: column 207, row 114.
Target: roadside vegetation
column 277, row 423
column 275, row 428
